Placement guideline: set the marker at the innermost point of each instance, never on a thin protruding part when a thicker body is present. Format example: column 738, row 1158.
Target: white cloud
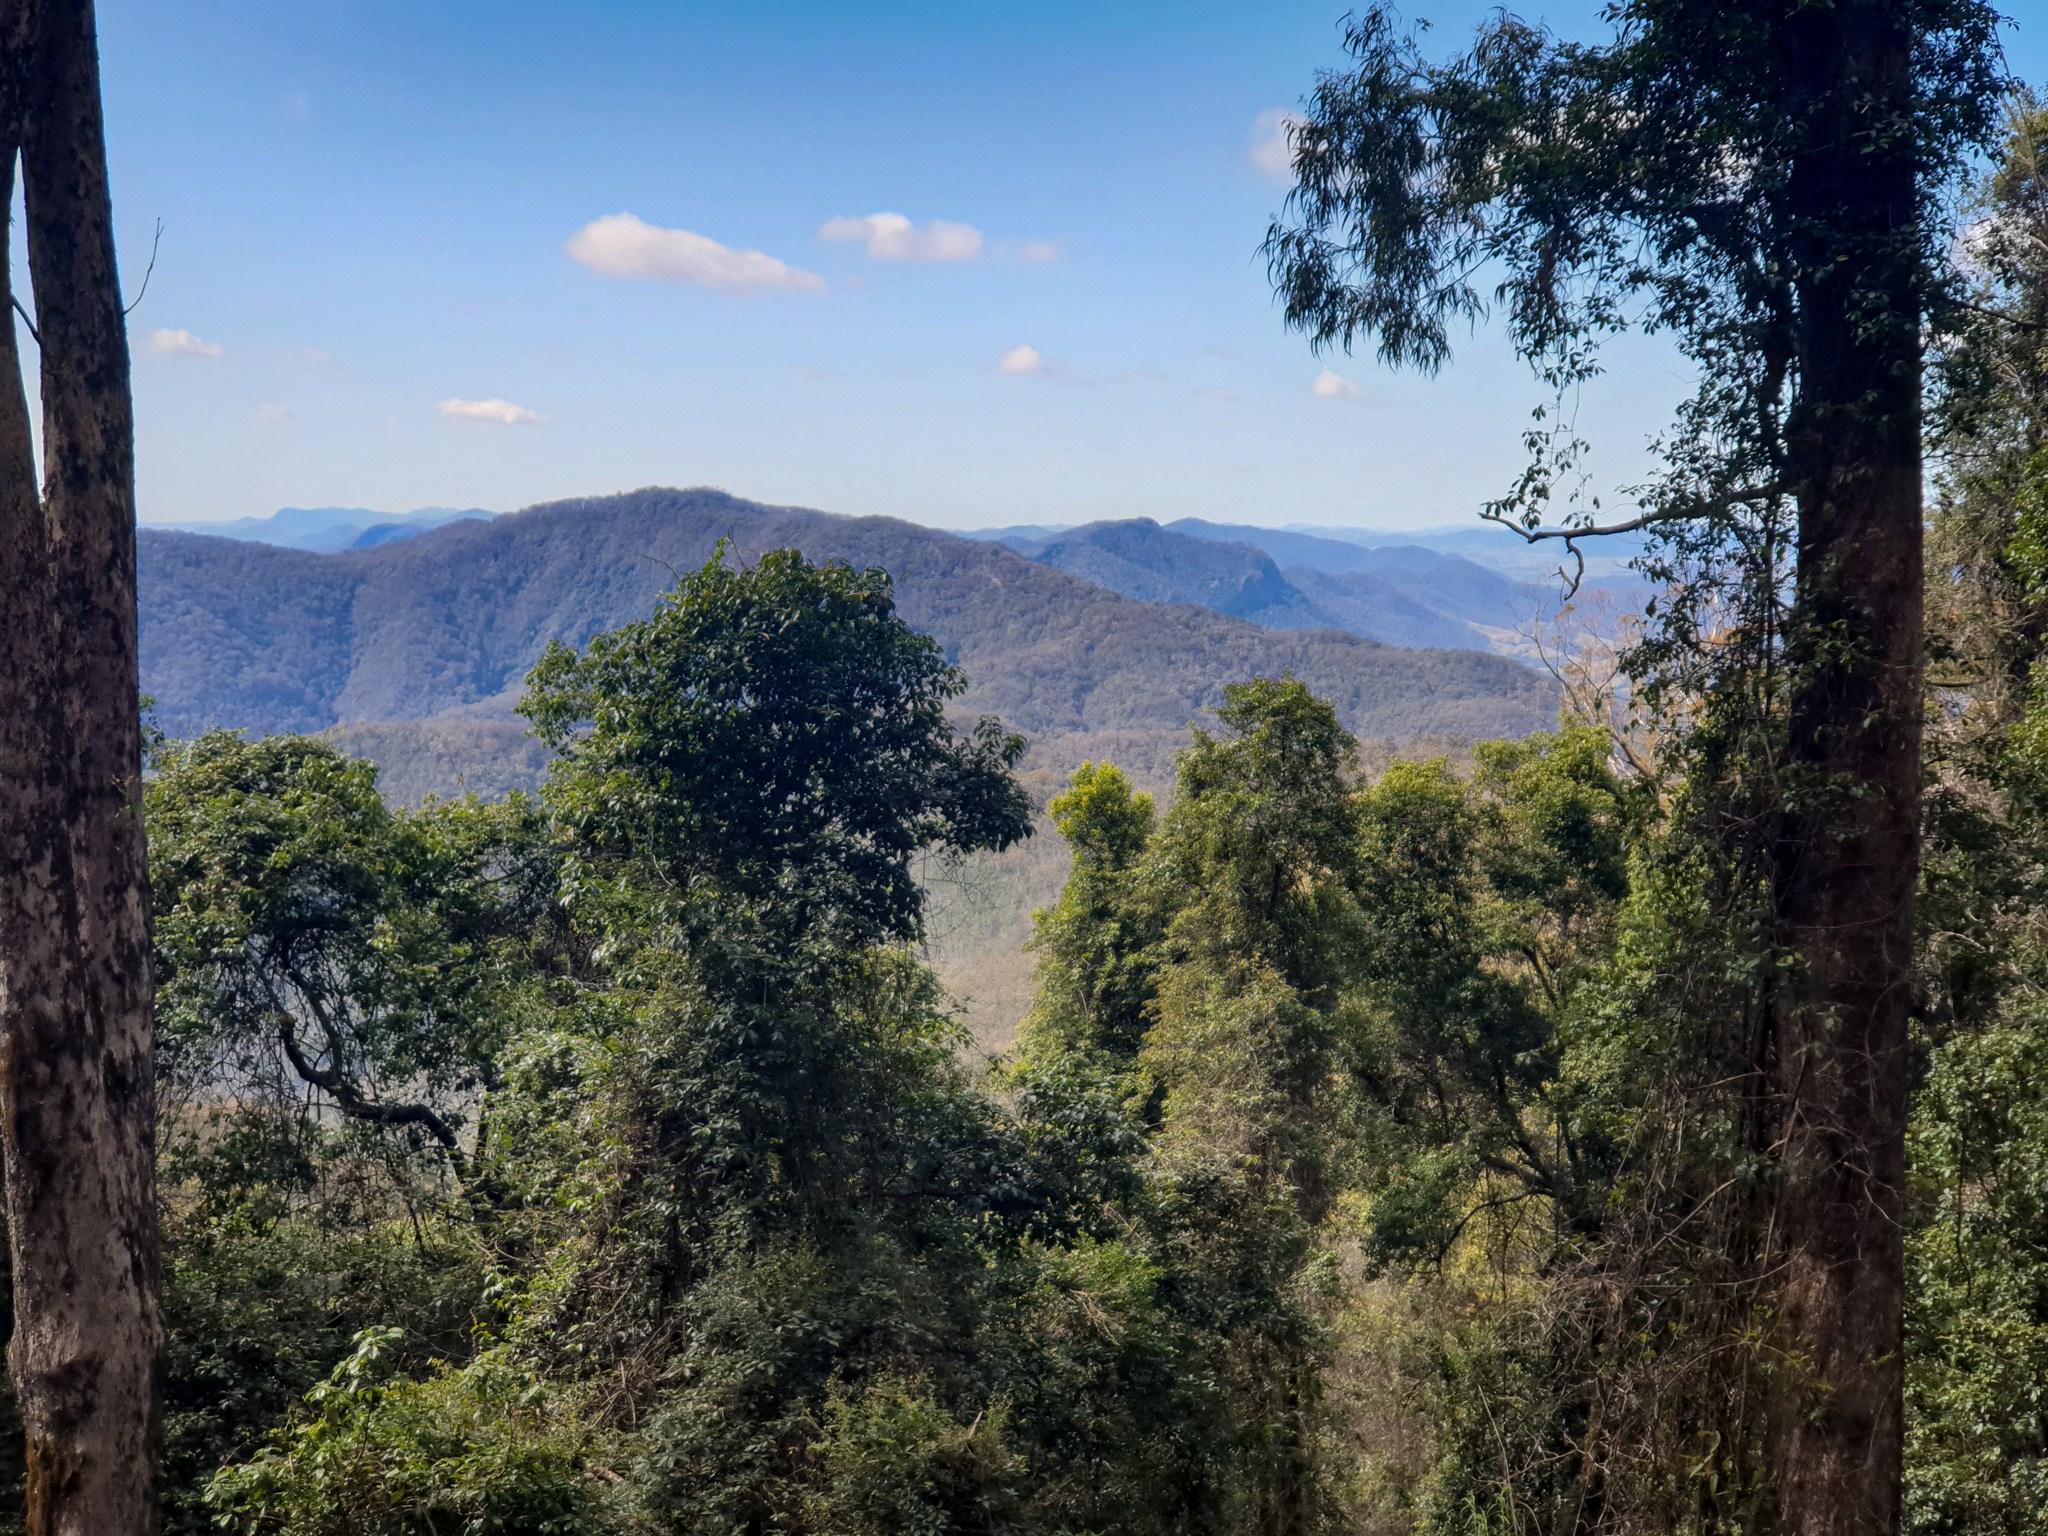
column 274, row 414
column 1024, row 360
column 892, row 237
column 500, row 412
column 1039, row 250
column 1272, row 151
column 181, row 344
column 1333, row 386
column 620, row 245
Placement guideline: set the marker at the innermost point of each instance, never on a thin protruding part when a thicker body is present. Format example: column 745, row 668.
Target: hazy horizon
column 1438, row 525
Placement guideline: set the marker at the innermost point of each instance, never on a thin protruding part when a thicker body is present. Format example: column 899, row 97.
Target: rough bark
column 76, row 1076
column 1850, row 863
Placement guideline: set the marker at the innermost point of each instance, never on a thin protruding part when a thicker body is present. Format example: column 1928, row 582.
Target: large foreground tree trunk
column 76, row 1078
column 1851, row 861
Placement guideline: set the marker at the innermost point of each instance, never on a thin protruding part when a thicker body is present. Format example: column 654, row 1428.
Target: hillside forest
column 1629, row 1120
column 608, row 1159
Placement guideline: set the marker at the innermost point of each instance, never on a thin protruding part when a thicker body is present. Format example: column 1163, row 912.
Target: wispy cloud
column 274, row 415
column 1272, row 151
column 1333, row 386
column 892, row 237
column 181, row 344
column 1039, row 250
column 501, row 413
column 1221, row 396
column 1023, row 360
column 621, row 245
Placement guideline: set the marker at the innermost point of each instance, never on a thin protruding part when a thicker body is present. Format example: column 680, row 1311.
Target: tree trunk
column 76, row 1074
column 1850, row 862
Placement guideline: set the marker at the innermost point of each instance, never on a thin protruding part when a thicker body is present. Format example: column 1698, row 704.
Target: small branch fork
column 155, row 244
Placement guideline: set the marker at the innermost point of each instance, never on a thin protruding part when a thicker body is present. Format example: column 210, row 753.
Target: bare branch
column 147, row 272
column 34, row 334
column 1571, row 536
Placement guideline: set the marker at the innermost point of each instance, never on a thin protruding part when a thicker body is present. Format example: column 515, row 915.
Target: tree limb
column 1571, row 536
column 353, row 1103
column 1999, row 315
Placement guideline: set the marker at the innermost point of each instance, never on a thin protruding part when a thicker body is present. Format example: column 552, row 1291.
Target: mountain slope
column 1496, row 548
column 1396, row 594
column 272, row 639
column 1392, row 612
column 1140, row 559
column 1287, row 547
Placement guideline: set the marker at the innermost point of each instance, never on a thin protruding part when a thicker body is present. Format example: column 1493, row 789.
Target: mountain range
column 1496, row 548
column 1396, row 593
column 445, row 625
column 325, row 530
column 1450, row 588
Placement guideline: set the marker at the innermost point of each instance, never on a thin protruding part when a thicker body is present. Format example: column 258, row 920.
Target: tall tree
column 1764, row 184
column 76, row 1082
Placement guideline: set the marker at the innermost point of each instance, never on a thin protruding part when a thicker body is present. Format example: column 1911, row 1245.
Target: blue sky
column 379, row 284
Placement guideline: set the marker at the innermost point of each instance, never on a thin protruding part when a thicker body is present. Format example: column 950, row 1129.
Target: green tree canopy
column 307, row 937
column 773, row 738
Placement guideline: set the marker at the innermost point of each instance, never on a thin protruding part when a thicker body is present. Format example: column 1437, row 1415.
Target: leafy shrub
column 486, row 1451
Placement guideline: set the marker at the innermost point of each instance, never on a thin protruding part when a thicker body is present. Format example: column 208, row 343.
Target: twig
column 34, row 334
column 147, row 272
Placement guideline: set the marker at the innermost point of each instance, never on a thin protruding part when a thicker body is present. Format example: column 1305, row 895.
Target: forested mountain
column 1137, row 557
column 1398, row 594
column 268, row 639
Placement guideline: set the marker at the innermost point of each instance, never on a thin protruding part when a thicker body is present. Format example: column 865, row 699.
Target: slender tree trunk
column 76, row 1076
column 1850, row 865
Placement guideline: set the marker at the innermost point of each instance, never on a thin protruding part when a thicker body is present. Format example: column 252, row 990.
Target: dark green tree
column 1489, row 903
column 1262, row 837
column 309, row 939
column 1977, row 1249
column 772, row 741
column 1210, row 956
column 1765, row 186
column 1097, row 944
